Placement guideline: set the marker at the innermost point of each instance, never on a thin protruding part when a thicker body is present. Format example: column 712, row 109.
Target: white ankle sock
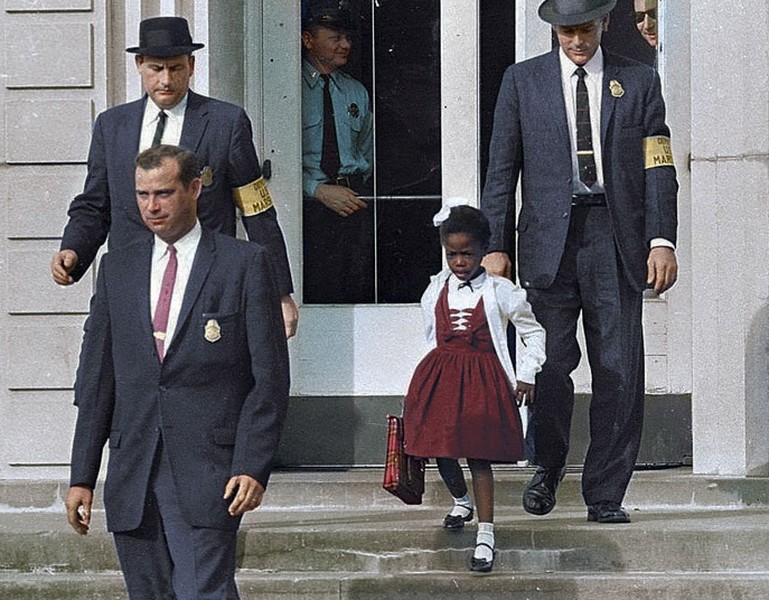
column 485, row 535
column 462, row 506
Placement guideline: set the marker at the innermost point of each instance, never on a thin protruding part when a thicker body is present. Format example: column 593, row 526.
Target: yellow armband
column 657, row 152
column 253, row 198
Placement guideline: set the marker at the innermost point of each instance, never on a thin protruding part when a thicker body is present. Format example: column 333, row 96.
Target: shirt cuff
column 657, row 242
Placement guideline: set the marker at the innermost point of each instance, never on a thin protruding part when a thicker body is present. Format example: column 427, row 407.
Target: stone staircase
column 338, row 535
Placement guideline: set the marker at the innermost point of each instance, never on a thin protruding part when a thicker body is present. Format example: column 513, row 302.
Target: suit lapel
column 201, row 266
column 553, row 96
column 129, row 131
column 608, row 101
column 135, row 281
column 195, row 121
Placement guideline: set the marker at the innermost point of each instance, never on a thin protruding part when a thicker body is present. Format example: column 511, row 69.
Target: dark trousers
column 591, row 280
column 167, row 559
column 338, row 266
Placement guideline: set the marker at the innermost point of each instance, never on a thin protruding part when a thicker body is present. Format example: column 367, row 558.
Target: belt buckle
column 342, row 180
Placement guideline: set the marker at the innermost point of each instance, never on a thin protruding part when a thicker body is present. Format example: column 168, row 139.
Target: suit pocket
column 218, row 337
column 217, row 327
column 114, row 439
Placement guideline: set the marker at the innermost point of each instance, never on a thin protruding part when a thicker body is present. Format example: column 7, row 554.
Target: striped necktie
column 585, row 155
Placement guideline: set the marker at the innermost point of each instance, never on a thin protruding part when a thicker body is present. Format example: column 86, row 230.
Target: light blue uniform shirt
column 354, row 126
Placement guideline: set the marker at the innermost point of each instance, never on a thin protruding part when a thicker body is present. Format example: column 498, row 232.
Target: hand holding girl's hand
column 524, row 393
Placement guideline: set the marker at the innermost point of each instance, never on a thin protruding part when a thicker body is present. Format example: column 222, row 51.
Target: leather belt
column 580, row 200
column 354, row 182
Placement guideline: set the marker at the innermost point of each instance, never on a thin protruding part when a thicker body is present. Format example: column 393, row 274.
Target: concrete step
column 339, row 535
column 742, row 585
column 413, row 540
column 361, row 489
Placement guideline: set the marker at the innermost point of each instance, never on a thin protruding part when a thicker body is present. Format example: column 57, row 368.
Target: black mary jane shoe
column 481, row 565
column 454, row 522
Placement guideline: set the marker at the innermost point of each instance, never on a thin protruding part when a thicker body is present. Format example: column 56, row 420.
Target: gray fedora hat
column 574, row 12
column 163, row 37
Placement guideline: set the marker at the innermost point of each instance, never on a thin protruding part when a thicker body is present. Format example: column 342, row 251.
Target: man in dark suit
column 184, row 370
column 219, row 134
column 586, row 132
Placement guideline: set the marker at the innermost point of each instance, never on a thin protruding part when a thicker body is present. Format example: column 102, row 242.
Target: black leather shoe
column 456, row 522
column 607, row 512
column 539, row 497
column 481, row 565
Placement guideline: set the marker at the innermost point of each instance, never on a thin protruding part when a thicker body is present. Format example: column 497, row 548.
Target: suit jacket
column 218, row 405
column 531, row 138
column 219, row 134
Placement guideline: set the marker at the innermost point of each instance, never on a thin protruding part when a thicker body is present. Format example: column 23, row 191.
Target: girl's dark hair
column 469, row 220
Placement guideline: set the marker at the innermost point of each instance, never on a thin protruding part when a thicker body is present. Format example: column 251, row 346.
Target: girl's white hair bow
column 445, row 210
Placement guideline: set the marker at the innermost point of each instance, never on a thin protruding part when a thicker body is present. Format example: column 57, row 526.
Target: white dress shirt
column 185, row 254
column 594, row 84
column 174, row 123
column 465, row 298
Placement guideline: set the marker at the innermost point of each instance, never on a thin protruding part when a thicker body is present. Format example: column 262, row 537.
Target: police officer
column 337, row 138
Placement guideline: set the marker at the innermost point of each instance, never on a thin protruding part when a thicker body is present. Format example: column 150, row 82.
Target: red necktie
column 160, row 322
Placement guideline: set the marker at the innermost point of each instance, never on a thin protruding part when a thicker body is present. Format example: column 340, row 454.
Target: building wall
column 64, row 62
column 54, row 71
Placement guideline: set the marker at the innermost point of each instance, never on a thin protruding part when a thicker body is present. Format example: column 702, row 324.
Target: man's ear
column 196, row 186
column 306, row 39
column 605, row 24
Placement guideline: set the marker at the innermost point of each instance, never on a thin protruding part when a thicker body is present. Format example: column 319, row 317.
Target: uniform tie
column 329, row 158
column 161, row 126
column 585, row 155
column 160, row 322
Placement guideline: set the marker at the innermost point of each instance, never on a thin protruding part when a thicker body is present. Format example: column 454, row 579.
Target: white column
column 532, row 35
column 730, row 238
column 460, row 96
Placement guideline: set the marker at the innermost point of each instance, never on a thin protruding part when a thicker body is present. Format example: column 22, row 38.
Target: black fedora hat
column 574, row 12
column 164, row 36
column 334, row 14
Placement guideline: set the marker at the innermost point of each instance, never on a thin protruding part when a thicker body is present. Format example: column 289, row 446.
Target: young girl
column 463, row 398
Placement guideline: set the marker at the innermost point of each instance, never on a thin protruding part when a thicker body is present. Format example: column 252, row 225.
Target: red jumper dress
column 460, row 403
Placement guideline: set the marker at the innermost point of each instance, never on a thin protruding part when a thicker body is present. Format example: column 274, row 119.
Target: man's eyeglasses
column 640, row 15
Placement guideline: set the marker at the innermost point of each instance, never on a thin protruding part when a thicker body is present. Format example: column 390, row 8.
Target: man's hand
column 342, row 200
column 62, row 264
column 246, row 493
column 524, row 393
column 662, row 268
column 79, row 502
column 498, row 263
column 290, row 315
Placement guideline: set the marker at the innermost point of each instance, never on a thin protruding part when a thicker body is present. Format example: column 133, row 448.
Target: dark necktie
column 467, row 284
column 160, row 322
column 585, row 156
column 162, row 116
column 329, row 158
